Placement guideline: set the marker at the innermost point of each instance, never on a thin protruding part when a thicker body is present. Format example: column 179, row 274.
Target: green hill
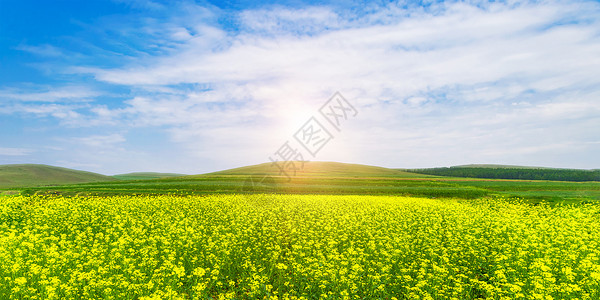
column 329, row 178
column 31, row 175
column 320, row 169
column 146, row 175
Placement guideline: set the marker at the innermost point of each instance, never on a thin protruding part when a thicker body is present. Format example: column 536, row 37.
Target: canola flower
column 295, row 247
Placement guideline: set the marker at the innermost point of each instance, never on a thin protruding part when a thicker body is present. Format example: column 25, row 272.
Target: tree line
column 514, row 173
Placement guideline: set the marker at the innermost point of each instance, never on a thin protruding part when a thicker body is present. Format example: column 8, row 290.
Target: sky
column 193, row 87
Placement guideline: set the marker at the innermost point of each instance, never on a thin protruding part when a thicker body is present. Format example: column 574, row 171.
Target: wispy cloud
column 99, row 141
column 142, row 4
column 41, row 50
column 49, row 94
column 449, row 83
column 15, row 151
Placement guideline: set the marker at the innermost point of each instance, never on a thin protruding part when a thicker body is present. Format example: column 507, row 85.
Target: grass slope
column 338, row 179
column 32, row 175
column 321, row 169
column 146, row 175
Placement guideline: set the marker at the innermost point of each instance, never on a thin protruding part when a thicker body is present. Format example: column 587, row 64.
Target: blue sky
column 194, row 87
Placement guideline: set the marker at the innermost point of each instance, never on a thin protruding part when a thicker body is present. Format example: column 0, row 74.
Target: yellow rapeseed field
column 295, row 247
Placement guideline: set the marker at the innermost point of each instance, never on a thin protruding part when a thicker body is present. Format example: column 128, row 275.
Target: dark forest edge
column 513, row 173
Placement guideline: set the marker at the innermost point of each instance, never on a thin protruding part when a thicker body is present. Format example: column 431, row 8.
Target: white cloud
column 142, row 4
column 41, row 50
column 15, row 151
column 492, row 82
column 50, row 94
column 465, row 46
column 282, row 21
column 100, row 141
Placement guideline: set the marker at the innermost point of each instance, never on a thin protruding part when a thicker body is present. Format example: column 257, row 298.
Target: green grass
column 145, row 175
column 536, row 191
column 31, row 175
column 480, row 238
column 322, row 169
column 339, row 179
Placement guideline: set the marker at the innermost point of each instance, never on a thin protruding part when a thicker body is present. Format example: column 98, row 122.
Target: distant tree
column 514, row 173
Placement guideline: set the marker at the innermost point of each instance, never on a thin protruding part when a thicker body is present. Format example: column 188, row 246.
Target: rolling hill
column 329, row 178
column 146, row 175
column 30, row 175
column 319, row 169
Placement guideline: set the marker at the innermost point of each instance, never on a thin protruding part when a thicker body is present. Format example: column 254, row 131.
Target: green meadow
column 328, row 178
column 329, row 231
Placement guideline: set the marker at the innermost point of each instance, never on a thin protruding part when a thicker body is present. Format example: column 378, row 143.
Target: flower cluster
column 295, row 247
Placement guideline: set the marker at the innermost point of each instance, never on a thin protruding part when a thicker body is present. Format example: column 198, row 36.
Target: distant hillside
column 317, row 168
column 31, row 175
column 145, row 175
column 513, row 172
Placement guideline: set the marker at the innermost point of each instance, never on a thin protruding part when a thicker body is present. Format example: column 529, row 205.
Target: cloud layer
column 450, row 83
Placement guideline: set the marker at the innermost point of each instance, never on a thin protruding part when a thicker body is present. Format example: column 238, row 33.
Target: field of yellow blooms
column 295, row 247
